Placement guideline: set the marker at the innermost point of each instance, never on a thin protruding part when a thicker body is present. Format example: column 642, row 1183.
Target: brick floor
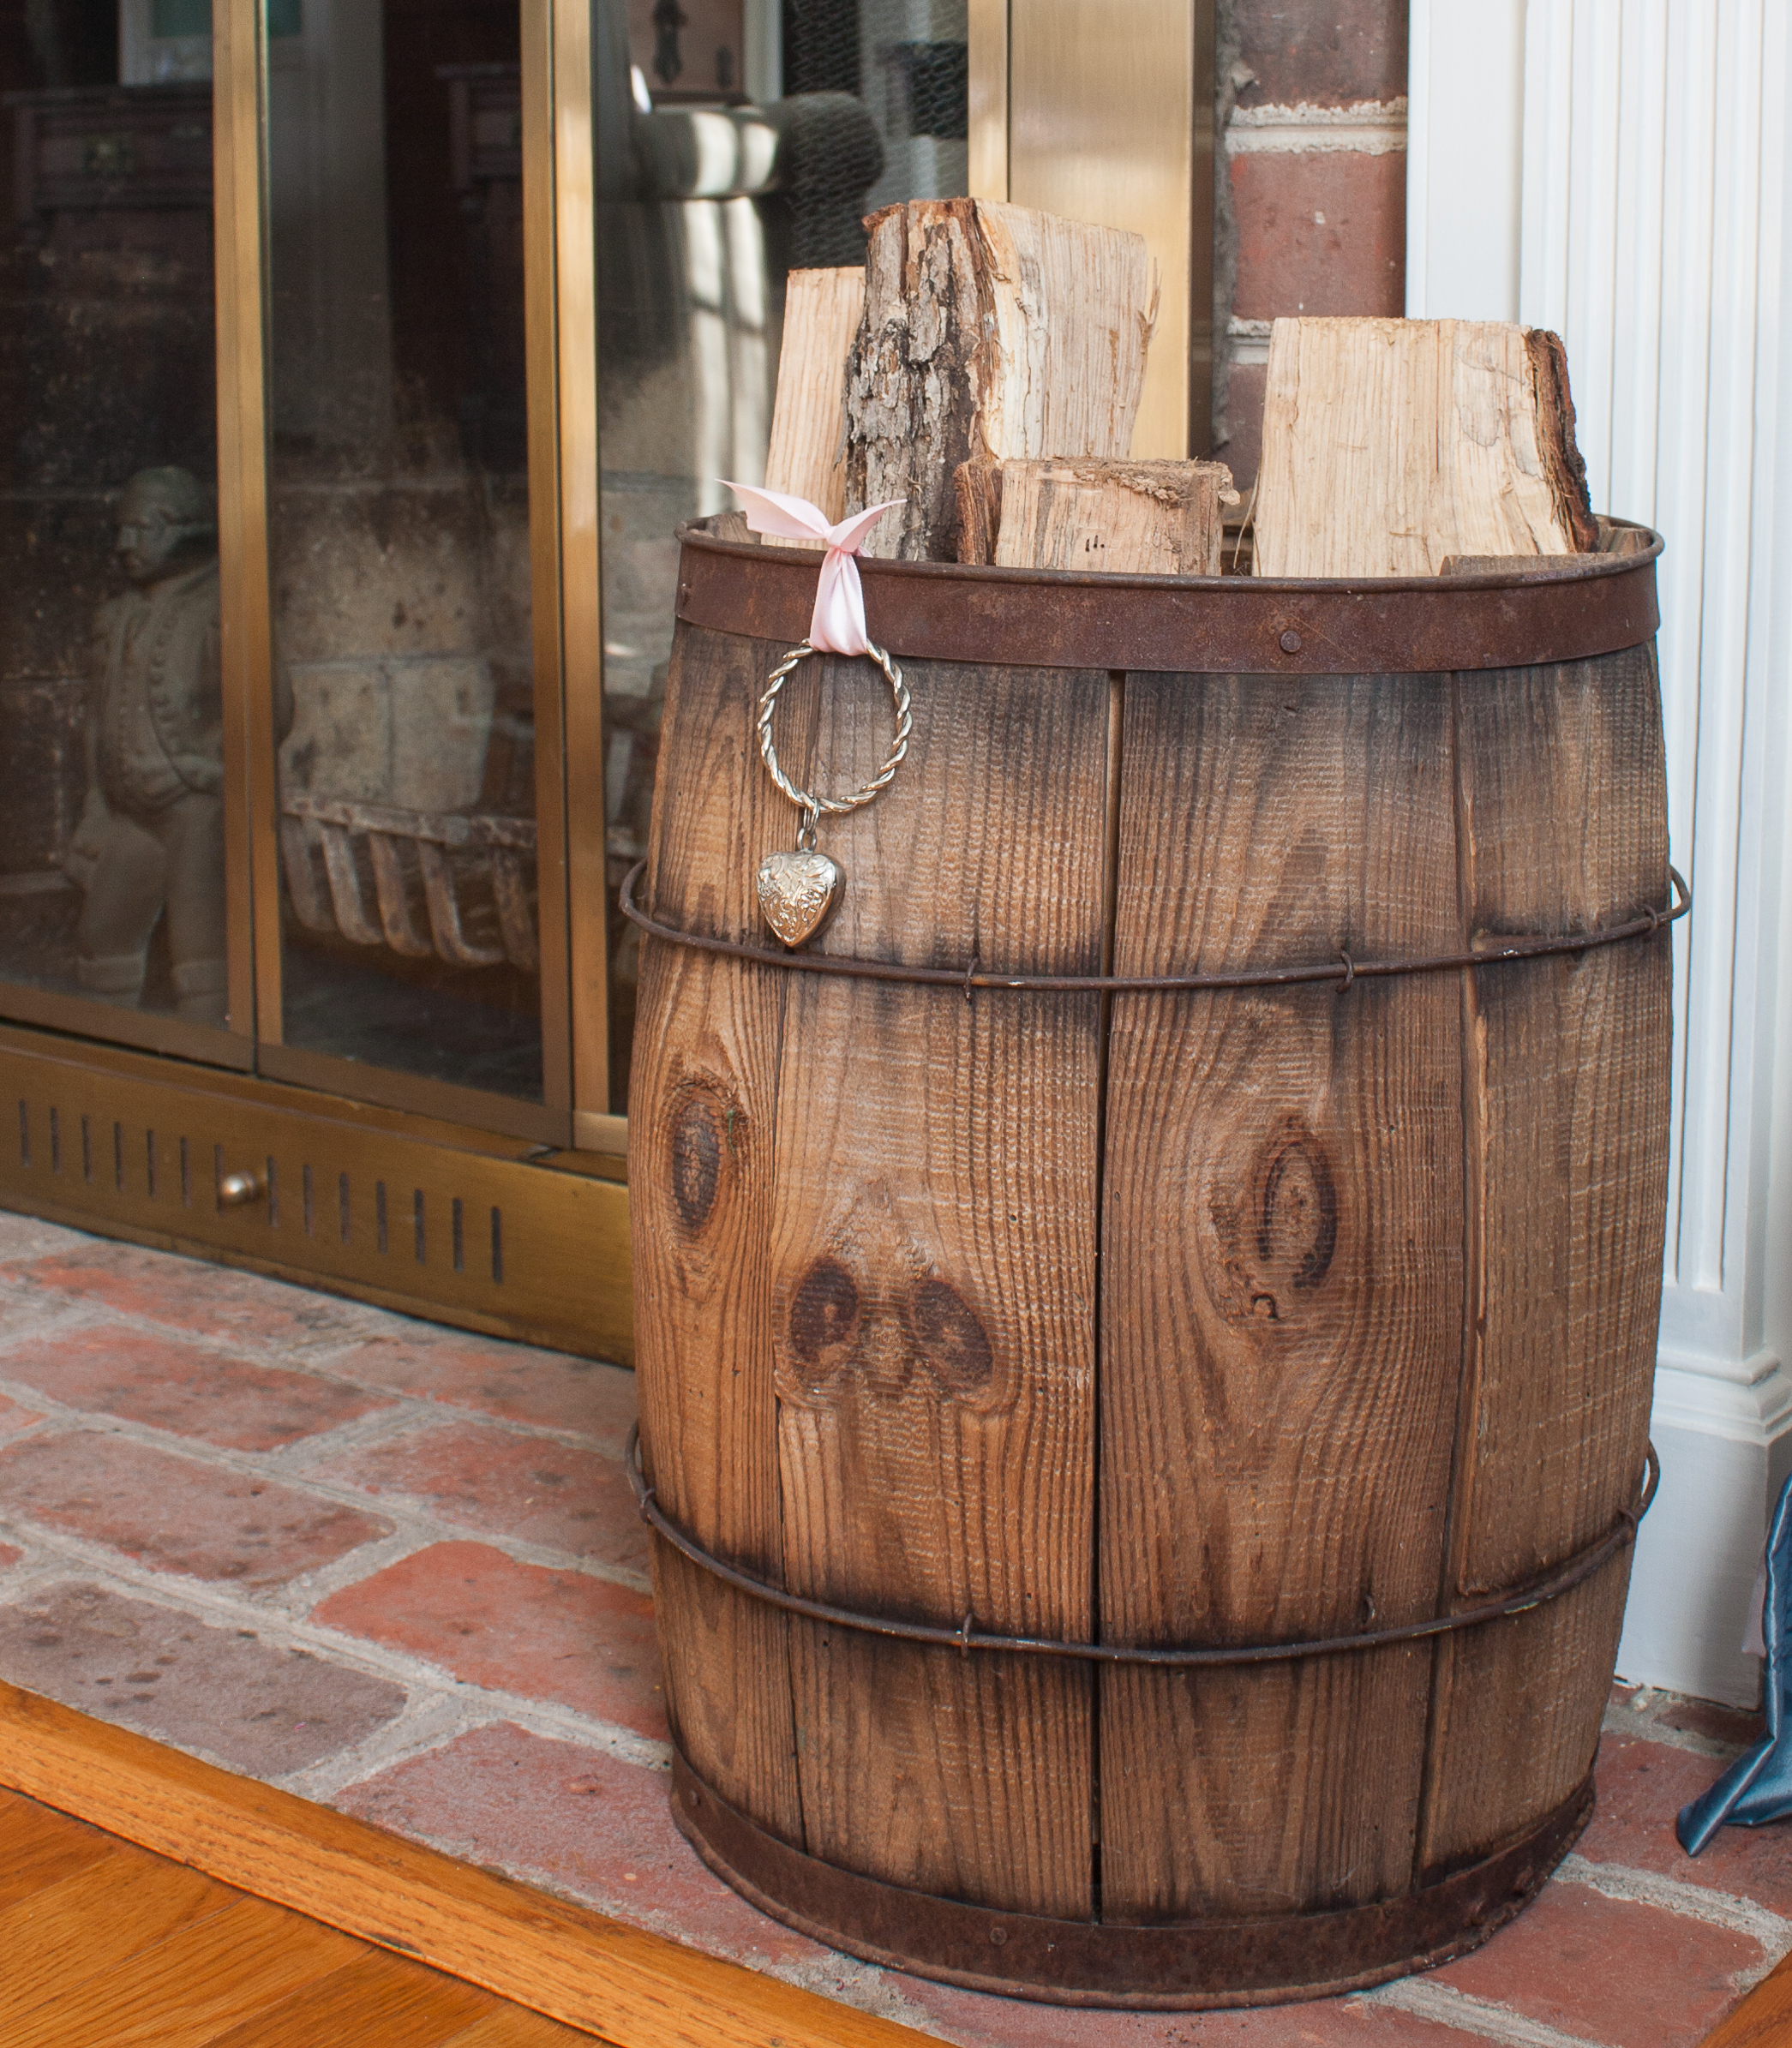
column 509, row 1380
column 515, row 1627
column 253, row 1705
column 184, row 1389
column 174, row 1514
column 560, row 1496
column 396, row 1568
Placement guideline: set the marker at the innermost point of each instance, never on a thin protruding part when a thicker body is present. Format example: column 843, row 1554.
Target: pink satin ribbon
column 838, row 624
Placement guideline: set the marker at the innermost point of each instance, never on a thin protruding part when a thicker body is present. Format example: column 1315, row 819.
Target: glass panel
column 399, row 537
column 706, row 201
column 111, row 815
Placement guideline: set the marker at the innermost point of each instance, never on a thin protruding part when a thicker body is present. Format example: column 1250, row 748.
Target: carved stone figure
column 151, row 837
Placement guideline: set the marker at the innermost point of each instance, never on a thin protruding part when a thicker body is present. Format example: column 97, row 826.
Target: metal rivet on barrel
column 1291, row 641
column 997, row 1935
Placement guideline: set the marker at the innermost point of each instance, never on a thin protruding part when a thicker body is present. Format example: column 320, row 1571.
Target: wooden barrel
column 1144, row 1366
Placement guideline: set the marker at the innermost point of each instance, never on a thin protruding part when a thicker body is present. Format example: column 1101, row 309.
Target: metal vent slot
column 556, row 1275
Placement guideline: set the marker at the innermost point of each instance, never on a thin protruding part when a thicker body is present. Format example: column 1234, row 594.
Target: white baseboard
column 1725, row 1443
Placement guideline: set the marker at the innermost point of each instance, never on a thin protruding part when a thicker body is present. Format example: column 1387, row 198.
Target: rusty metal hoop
column 965, row 1638
column 1341, row 968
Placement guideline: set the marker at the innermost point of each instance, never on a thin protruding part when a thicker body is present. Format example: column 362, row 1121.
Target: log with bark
column 1390, row 445
column 989, row 332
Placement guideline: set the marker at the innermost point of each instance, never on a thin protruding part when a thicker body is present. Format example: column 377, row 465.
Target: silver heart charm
column 796, row 892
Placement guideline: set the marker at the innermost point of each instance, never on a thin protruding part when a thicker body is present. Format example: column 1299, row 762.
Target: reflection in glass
column 706, row 203
column 399, row 526
column 112, row 860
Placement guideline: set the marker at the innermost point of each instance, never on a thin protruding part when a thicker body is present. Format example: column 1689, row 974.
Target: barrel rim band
column 1578, row 1567
column 1164, row 1965
column 1342, row 968
column 1534, row 611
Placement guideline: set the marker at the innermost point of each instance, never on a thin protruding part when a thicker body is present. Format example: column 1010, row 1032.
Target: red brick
column 976, row 2021
column 1320, row 231
column 521, row 1628
column 13, row 1417
column 513, row 1380
column 1609, row 1970
column 256, row 1706
column 1325, row 52
column 1732, row 1725
column 530, row 1487
column 1642, row 1786
column 211, row 1300
column 576, row 1818
column 176, row 1514
column 9, row 1555
column 174, row 1386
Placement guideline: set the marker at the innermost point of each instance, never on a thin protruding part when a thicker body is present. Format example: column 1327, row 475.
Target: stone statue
column 151, row 837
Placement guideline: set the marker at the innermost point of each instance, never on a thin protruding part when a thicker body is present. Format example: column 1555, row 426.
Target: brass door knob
column 237, row 1190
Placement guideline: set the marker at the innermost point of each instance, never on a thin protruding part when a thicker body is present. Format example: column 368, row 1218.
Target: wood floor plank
column 188, row 1990
column 516, row 2026
column 376, row 1999
column 96, row 1919
column 633, row 1989
column 38, row 1849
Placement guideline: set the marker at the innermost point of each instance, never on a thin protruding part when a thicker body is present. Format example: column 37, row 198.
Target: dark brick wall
column 1323, row 52
column 1312, row 191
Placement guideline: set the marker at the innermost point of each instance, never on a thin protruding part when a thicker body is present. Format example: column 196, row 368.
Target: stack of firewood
column 985, row 366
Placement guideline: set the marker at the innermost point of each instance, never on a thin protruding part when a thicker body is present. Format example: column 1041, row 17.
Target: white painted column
column 1631, row 155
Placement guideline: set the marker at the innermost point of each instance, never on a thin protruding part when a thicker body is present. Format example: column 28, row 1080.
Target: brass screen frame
column 561, row 342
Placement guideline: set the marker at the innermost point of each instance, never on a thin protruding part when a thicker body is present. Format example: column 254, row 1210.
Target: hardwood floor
column 109, row 1946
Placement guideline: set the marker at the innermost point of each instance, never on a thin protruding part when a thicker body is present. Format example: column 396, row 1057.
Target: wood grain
column 1563, row 807
column 1389, row 445
column 41, row 1849
column 513, row 2026
column 374, row 1999
column 1281, row 1302
column 183, row 1992
column 703, row 1132
column 807, row 455
column 1136, row 518
column 634, row 1990
column 95, row 1919
column 989, row 331
column 935, row 1263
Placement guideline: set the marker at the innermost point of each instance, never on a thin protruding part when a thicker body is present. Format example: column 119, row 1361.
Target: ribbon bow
column 838, row 624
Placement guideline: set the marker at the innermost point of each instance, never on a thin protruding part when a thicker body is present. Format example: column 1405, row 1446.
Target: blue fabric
column 1757, row 1786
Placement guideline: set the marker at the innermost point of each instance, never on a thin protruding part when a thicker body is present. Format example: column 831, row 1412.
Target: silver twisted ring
column 812, row 806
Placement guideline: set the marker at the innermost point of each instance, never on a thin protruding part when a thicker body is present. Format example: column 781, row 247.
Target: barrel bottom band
column 1180, row 1966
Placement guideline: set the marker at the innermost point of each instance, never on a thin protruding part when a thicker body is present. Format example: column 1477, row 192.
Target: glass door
column 121, row 909
column 411, row 945
column 358, row 360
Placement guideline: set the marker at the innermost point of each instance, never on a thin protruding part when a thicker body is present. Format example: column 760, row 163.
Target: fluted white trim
column 1639, row 147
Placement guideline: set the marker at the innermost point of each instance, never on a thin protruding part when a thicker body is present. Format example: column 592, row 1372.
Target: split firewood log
column 807, row 456
column 1138, row 518
column 1392, row 445
column 989, row 332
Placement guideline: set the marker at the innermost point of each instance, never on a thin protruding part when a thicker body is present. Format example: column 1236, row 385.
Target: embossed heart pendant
column 796, row 892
